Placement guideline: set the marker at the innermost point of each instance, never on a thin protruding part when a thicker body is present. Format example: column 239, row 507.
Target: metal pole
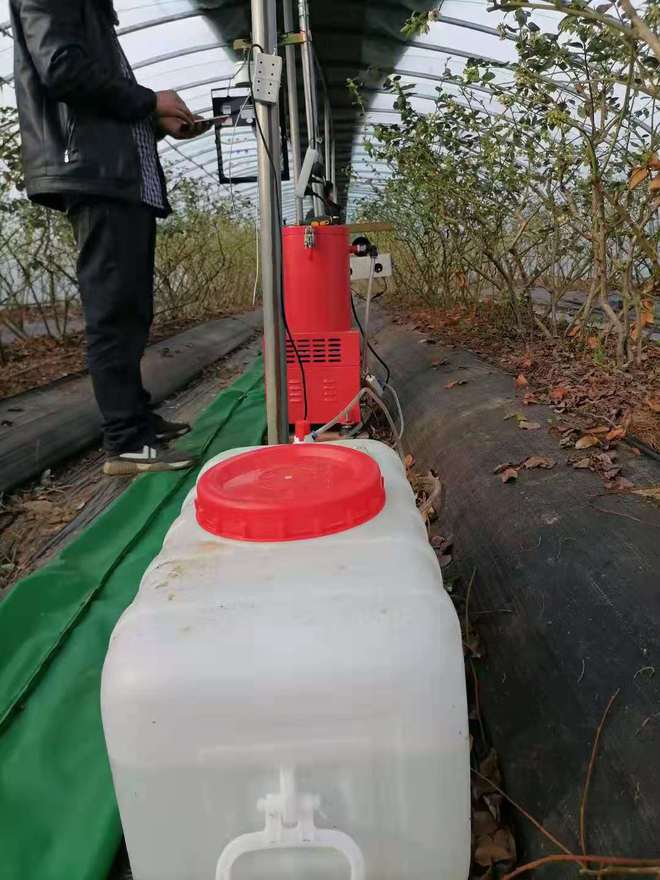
column 264, row 33
column 327, row 138
column 333, row 167
column 309, row 82
column 292, row 91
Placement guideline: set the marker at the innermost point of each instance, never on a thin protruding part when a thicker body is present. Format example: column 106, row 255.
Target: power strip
column 266, row 77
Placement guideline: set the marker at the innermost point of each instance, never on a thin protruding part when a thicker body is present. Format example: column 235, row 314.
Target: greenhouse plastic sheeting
column 58, row 817
column 187, row 45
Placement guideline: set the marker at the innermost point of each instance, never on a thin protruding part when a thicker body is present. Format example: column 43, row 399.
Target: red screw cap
column 289, row 493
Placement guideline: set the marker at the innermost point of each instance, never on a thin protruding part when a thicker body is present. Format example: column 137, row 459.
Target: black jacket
column 75, row 107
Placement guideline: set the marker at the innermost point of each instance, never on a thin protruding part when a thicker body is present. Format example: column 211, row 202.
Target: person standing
column 89, row 136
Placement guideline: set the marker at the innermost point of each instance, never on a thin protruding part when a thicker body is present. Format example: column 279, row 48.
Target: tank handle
column 290, row 825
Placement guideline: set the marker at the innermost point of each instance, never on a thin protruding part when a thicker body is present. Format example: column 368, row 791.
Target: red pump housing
column 318, row 309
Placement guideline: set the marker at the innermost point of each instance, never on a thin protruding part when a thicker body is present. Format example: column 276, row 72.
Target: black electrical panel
column 238, row 112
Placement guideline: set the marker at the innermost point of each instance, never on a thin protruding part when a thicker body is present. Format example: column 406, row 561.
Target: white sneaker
column 150, row 459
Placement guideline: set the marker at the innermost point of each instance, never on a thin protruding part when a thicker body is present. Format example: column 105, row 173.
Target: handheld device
column 207, row 123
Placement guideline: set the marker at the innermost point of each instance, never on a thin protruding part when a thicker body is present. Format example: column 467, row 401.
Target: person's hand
column 184, row 131
column 170, row 105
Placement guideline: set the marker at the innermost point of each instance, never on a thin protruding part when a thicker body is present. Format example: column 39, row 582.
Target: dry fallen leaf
column 652, row 492
column 455, row 383
column 490, row 768
column 529, row 399
column 483, row 823
column 593, row 342
column 582, row 463
column 620, row 484
column 503, row 467
column 473, row 645
column 494, row 803
column 509, row 475
column 409, row 461
column 637, row 175
column 488, row 850
column 528, row 426
column 441, row 363
column 587, row 441
column 648, row 314
column 521, row 382
column 654, row 404
column 558, row 394
column 537, row 461
column 615, row 434
column 39, row 507
column 442, row 545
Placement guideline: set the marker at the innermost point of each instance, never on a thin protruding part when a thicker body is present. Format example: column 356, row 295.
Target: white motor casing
column 362, row 268
column 292, row 710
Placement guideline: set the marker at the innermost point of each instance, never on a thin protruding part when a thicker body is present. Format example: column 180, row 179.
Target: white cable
column 256, row 270
column 334, row 420
column 231, row 185
column 358, row 397
column 376, row 399
column 365, row 344
column 231, row 147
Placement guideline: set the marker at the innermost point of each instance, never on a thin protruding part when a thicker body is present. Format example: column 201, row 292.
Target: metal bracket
column 292, row 39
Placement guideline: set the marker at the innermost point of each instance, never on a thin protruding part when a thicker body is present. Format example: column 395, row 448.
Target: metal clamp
column 310, row 237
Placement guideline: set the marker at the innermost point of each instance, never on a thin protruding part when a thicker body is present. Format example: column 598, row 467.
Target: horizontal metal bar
column 179, row 53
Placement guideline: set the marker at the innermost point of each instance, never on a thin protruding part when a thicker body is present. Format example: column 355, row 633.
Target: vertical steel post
column 327, row 137
column 309, row 82
column 264, row 33
column 333, row 167
column 292, row 91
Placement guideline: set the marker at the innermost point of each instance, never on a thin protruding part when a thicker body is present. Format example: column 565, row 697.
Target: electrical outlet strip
column 267, row 75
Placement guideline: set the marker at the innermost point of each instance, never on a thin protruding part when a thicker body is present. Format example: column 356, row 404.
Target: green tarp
column 58, row 817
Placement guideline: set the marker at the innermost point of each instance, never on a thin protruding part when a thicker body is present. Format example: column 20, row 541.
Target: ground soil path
column 567, row 594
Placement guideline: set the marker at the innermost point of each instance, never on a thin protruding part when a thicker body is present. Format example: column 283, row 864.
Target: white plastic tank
column 279, row 705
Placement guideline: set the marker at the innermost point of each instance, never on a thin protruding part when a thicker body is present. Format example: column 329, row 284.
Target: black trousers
column 116, row 244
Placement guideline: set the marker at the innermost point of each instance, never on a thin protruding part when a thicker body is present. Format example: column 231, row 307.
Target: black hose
column 643, row 447
column 369, row 345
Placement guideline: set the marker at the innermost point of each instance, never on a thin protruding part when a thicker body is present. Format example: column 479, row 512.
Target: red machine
column 318, row 310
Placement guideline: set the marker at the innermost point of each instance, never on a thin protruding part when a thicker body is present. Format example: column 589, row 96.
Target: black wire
column 279, row 219
column 369, row 345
